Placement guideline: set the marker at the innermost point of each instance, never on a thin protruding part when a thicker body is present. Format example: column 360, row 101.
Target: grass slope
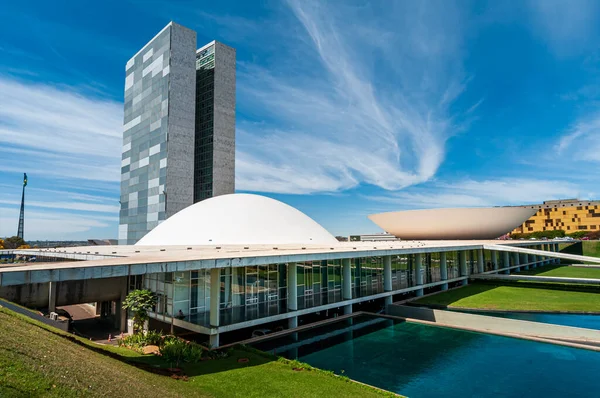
column 565, row 271
column 515, row 298
column 587, row 248
column 37, row 360
column 591, row 248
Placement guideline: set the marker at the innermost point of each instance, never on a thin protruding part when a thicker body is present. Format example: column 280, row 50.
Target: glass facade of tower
column 203, row 148
column 144, row 155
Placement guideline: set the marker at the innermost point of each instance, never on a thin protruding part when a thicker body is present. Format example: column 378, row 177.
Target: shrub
column 152, row 337
column 177, row 350
column 140, row 340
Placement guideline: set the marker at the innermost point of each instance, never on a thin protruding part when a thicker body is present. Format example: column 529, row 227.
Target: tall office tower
column 214, row 163
column 160, row 131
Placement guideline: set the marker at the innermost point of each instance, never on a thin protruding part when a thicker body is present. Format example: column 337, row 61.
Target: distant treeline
column 557, row 234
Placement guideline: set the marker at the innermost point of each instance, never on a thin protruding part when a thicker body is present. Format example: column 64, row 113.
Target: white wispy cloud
column 67, row 205
column 46, row 209
column 57, row 132
column 580, row 142
column 491, row 192
column 332, row 121
column 43, row 225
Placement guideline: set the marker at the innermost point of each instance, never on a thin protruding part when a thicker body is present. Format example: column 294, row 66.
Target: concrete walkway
column 535, row 278
column 547, row 332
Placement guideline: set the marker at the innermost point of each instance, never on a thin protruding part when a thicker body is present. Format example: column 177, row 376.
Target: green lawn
column 588, row 247
column 591, row 248
column 564, row 271
column 37, row 360
column 515, row 298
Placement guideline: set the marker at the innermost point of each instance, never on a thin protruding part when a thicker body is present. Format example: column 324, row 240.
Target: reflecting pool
column 426, row 361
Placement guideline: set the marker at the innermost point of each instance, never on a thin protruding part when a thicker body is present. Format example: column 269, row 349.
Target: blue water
column 425, row 361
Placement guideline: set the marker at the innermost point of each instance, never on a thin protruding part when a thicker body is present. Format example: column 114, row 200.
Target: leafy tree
column 139, row 302
column 25, row 246
column 13, row 242
column 578, row 234
column 1, row 244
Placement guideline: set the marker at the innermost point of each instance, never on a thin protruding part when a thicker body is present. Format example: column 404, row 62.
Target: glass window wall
column 367, row 276
column 453, row 264
column 319, row 283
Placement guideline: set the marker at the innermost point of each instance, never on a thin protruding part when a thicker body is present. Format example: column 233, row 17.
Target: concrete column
column 480, row 265
column 444, row 269
column 346, row 279
column 546, row 248
column 387, row 277
column 52, row 296
column 506, row 261
column 462, row 261
column 419, row 273
column 213, row 341
column 121, row 312
column 494, row 260
column 292, row 288
column 556, row 250
column 215, row 297
column 293, row 322
column 543, row 257
column 517, row 261
column 347, row 284
column 526, row 260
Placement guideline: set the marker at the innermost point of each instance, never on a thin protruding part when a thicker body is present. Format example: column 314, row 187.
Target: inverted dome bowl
column 450, row 224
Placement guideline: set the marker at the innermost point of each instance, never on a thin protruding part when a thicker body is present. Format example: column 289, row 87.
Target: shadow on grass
column 233, row 358
column 239, row 357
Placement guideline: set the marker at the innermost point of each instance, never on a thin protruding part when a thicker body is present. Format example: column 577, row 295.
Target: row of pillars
column 292, row 280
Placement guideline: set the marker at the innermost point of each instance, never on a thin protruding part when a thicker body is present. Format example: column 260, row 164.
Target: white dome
column 238, row 219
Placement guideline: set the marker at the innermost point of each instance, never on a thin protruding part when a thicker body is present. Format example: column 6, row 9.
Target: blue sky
column 344, row 108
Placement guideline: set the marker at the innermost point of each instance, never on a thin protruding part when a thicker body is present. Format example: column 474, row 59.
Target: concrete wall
column 182, row 119
column 36, row 295
column 490, row 324
column 224, row 121
column 62, row 325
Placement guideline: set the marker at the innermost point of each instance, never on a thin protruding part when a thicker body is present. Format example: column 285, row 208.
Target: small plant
column 219, row 354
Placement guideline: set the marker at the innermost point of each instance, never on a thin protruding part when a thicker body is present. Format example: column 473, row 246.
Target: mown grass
column 564, row 271
column 38, row 360
column 515, row 298
column 591, row 248
column 587, row 248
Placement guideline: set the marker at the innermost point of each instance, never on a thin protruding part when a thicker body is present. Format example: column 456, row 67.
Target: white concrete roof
column 114, row 261
column 461, row 223
column 238, row 219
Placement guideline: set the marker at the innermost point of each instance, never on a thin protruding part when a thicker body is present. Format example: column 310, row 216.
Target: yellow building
column 570, row 215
